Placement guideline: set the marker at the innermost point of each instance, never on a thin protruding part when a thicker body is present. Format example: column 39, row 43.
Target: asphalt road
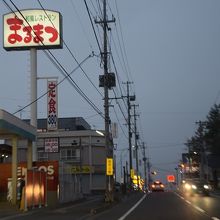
column 152, row 206
column 165, row 206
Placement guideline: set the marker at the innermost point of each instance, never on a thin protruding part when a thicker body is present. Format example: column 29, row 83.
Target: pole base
column 109, row 197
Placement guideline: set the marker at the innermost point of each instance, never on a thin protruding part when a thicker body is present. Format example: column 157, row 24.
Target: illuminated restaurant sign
column 52, row 117
column 32, row 29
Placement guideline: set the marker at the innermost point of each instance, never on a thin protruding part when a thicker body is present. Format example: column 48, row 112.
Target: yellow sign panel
column 82, row 169
column 132, row 173
column 109, row 166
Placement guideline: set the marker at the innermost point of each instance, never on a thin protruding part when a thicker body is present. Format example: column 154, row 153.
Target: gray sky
column 172, row 56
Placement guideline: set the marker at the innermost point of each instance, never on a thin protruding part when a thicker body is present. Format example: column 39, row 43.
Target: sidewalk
column 97, row 205
column 94, row 204
column 6, row 209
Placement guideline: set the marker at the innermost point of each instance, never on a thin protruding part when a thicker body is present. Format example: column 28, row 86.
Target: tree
column 196, row 142
column 212, row 132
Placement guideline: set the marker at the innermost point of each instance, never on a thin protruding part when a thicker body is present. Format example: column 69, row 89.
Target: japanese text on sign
column 51, row 145
column 52, row 120
column 36, row 28
column 109, row 166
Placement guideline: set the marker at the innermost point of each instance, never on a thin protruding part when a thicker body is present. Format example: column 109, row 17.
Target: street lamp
column 99, row 132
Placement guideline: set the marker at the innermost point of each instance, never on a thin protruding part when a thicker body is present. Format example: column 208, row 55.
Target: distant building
column 80, row 153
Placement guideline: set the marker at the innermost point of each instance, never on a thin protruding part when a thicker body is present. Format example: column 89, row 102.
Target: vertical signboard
column 132, row 173
column 52, row 110
column 109, row 166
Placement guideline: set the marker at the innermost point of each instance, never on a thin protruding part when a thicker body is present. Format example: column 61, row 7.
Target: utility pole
column 107, row 81
column 145, row 167
column 136, row 145
column 129, row 98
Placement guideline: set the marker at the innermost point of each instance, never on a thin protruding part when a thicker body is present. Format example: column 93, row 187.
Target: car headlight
column 194, row 186
column 206, row 186
column 187, row 186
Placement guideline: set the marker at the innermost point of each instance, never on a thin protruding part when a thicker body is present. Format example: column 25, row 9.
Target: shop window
column 70, row 154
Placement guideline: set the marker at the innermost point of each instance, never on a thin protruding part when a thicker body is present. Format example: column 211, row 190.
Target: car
column 196, row 186
column 157, row 186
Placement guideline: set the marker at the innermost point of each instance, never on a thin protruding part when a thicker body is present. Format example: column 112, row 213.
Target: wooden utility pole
column 107, row 84
column 136, row 137
column 129, row 98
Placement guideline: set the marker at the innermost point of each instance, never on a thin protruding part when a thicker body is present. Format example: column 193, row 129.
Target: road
column 153, row 206
column 166, row 206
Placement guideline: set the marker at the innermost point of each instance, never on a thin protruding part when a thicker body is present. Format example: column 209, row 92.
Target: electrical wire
column 81, row 24
column 71, row 52
column 61, row 68
column 123, row 44
column 41, row 96
column 87, row 9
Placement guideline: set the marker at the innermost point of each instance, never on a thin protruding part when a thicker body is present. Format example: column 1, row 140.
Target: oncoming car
column 195, row 186
column 157, row 186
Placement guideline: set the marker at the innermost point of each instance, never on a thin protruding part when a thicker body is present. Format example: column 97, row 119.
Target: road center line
column 132, row 209
column 214, row 218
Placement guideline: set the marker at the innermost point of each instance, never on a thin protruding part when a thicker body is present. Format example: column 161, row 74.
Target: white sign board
column 51, row 145
column 32, row 28
column 52, row 106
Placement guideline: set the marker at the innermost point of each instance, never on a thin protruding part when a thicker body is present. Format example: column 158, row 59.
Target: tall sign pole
column 32, row 30
column 33, row 116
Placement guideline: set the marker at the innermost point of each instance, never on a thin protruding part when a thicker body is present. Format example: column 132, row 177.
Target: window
column 42, row 156
column 70, row 154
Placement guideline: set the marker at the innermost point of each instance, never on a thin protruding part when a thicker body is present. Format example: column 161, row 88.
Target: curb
column 102, row 208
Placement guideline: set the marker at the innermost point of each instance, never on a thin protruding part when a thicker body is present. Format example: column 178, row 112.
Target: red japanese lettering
column 38, row 32
column 15, row 25
column 52, row 87
column 52, row 108
column 53, row 31
column 28, row 37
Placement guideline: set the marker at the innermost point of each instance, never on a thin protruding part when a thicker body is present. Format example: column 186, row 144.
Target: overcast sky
column 172, row 57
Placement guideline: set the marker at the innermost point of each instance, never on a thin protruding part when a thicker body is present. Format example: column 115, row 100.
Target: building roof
column 69, row 124
column 11, row 125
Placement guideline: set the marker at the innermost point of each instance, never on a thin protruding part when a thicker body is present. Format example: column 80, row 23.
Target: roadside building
column 73, row 157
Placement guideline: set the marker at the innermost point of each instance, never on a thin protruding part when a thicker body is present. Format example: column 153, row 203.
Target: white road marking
column 179, row 196
column 132, row 209
column 199, row 209
column 188, row 202
column 196, row 207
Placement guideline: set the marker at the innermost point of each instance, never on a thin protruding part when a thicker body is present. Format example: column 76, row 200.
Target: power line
column 127, row 63
column 58, row 64
column 81, row 24
column 87, row 8
column 71, row 52
column 41, row 96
